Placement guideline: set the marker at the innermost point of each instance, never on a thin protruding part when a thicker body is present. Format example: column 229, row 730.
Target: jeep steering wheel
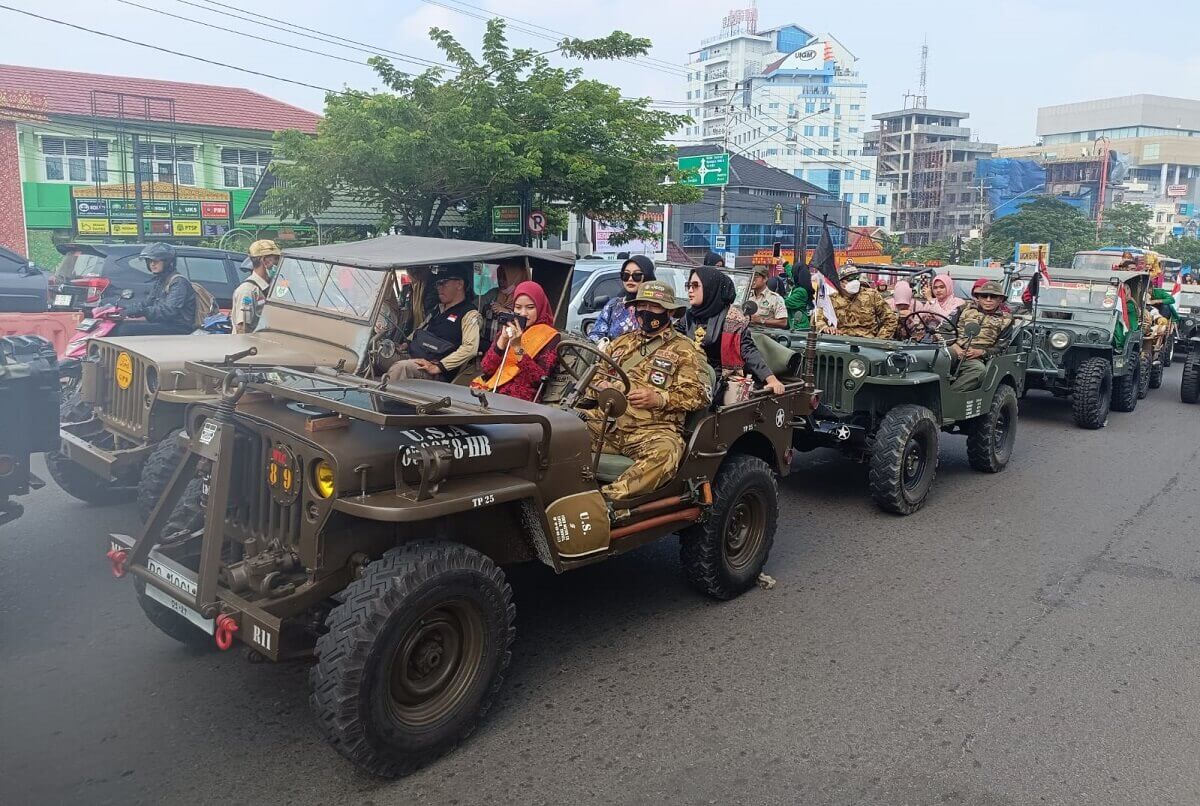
column 585, row 379
column 929, row 327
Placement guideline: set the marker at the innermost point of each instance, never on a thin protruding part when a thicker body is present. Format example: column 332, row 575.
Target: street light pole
column 725, row 150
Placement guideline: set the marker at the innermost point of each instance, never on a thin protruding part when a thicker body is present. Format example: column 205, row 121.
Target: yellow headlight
column 323, row 479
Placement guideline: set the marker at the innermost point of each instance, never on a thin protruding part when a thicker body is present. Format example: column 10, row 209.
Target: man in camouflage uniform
column 860, row 310
column 669, row 377
column 995, row 331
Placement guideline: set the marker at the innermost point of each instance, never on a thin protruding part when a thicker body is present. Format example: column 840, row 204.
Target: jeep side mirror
column 971, row 330
column 127, row 293
column 750, row 307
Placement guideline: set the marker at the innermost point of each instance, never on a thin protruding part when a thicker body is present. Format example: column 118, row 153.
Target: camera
column 506, row 318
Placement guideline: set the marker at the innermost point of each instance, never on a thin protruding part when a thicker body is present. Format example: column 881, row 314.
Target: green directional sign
column 706, row 170
column 506, row 220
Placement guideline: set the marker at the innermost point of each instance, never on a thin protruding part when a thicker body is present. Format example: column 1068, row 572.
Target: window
column 206, row 270
column 854, row 130
column 808, row 152
column 242, row 167
column 809, row 131
column 771, row 152
column 810, row 107
column 862, row 220
column 160, row 162
column 823, row 131
column 798, row 173
column 75, row 160
column 822, row 152
column 855, row 107
column 864, row 175
column 772, row 106
column 848, row 173
column 881, row 199
column 598, row 295
column 880, row 221
column 952, row 177
column 864, row 198
column 848, row 198
column 968, row 176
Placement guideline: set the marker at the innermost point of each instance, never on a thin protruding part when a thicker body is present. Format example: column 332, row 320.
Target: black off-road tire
column 1156, row 376
column 1168, row 356
column 723, row 555
column 418, row 601
column 77, row 481
column 1092, row 397
column 1125, row 389
column 1144, row 366
column 186, row 515
column 990, row 438
column 157, row 472
column 1189, row 385
column 904, row 459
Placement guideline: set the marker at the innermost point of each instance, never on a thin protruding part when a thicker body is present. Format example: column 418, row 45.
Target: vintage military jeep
column 1187, row 305
column 1079, row 347
column 120, row 429
column 28, row 414
column 320, row 514
column 885, row 401
column 1189, row 385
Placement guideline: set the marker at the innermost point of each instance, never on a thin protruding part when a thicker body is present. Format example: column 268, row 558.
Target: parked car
column 23, row 286
column 92, row 274
column 594, row 283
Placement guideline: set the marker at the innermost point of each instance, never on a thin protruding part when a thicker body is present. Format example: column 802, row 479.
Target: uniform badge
column 664, row 364
column 452, row 317
column 658, row 378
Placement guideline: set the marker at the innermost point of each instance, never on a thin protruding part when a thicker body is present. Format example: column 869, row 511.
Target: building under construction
column 930, row 160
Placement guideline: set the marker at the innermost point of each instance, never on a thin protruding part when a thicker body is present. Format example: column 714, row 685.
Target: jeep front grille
column 830, row 371
column 254, row 513
column 123, row 408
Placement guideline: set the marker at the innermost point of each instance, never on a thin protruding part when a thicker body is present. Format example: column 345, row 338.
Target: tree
column 1183, row 249
column 504, row 125
column 1043, row 220
column 1127, row 224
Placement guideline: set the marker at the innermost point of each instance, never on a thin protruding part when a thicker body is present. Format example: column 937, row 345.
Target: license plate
column 188, row 613
column 62, row 300
column 87, row 325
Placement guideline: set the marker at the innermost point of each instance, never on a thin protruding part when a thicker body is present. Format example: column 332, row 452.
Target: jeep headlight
column 1059, row 339
column 857, row 368
column 323, row 479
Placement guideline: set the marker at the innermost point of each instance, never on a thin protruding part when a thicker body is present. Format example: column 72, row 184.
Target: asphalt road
column 1030, row 637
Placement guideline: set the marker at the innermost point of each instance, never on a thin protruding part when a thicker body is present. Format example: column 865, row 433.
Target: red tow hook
column 117, row 557
column 226, row 627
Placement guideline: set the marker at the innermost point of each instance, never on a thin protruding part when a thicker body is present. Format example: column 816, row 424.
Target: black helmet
column 159, row 251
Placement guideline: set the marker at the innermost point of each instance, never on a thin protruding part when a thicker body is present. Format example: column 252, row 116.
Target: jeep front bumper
column 77, row 445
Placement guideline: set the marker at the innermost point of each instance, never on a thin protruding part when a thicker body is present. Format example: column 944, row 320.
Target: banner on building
column 1027, row 253
column 653, row 220
column 114, row 212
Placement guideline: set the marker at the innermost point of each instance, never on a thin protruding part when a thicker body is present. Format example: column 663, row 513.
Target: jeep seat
column 775, row 354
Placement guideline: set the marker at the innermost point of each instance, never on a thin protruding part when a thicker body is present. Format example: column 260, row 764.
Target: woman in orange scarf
column 525, row 350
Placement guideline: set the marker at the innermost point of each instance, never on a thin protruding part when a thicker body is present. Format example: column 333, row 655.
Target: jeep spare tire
column 904, row 457
column 1092, row 396
column 414, row 654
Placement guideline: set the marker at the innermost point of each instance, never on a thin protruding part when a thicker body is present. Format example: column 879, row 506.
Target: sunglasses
column 695, row 286
column 636, row 276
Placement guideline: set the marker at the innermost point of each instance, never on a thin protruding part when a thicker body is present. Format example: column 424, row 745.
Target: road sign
column 536, row 222
column 707, row 170
column 506, row 219
column 1176, row 191
column 720, row 243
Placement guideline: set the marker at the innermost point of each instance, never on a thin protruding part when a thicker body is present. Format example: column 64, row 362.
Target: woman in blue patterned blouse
column 616, row 317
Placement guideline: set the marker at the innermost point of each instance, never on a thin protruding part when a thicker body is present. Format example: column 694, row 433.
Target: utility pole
column 981, row 189
column 138, row 206
column 721, row 226
column 800, row 252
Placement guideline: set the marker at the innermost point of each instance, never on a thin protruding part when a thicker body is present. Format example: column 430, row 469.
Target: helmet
column 158, row 251
column 991, row 288
column 659, row 293
column 265, row 247
column 847, row 271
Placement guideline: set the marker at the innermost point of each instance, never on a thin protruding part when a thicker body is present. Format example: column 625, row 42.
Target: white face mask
column 852, row 286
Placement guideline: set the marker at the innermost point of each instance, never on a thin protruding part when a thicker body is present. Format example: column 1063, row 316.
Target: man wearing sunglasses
column 995, row 325
column 617, row 317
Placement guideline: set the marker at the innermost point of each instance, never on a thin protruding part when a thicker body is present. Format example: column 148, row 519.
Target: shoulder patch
column 663, row 364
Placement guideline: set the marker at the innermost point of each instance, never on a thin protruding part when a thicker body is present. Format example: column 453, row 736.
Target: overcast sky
column 998, row 61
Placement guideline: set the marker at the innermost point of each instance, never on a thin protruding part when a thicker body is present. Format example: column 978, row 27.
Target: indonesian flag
column 1176, row 289
column 1042, row 270
column 1123, row 306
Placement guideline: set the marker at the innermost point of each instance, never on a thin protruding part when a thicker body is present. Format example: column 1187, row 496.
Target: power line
column 147, row 45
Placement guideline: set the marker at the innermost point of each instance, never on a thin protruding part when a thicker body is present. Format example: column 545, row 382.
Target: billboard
column 1027, row 253
column 173, row 218
column 653, row 220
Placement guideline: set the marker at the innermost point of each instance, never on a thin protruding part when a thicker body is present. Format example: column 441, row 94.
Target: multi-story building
column 929, row 158
column 1157, row 138
column 87, row 156
column 791, row 99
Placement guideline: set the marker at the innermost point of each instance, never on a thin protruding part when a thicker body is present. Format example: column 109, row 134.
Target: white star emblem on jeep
column 842, row 432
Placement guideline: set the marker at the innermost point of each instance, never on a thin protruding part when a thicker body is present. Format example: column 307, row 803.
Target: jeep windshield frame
column 347, row 292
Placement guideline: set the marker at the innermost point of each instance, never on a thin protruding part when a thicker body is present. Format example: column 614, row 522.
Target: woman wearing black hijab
column 616, row 317
column 721, row 331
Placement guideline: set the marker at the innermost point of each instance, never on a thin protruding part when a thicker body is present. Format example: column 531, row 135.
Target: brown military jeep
column 321, row 515
column 120, row 428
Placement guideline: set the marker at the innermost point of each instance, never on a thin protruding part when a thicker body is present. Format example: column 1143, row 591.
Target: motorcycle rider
column 248, row 298
column 170, row 307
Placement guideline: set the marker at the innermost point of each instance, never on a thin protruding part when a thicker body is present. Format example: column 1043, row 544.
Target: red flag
column 1175, row 289
column 1123, row 302
column 1042, row 270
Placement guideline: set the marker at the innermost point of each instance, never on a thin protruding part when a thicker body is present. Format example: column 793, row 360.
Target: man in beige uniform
column 248, row 298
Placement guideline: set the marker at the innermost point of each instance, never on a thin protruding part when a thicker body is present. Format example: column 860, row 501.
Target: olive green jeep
column 1080, row 348
column 321, row 515
column 1189, row 384
column 884, row 402
column 119, row 436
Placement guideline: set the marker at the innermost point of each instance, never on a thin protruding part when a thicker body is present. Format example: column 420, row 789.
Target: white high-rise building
column 793, row 100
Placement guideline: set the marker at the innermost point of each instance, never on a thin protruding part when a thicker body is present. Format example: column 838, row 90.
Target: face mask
column 653, row 321
column 852, row 286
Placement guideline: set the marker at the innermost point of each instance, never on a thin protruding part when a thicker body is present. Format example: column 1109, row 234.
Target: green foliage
column 504, row 123
column 1127, row 224
column 1043, row 220
column 1184, row 249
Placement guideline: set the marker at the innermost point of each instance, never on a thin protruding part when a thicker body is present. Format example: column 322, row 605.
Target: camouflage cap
column 659, row 293
column 989, row 289
column 848, row 270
